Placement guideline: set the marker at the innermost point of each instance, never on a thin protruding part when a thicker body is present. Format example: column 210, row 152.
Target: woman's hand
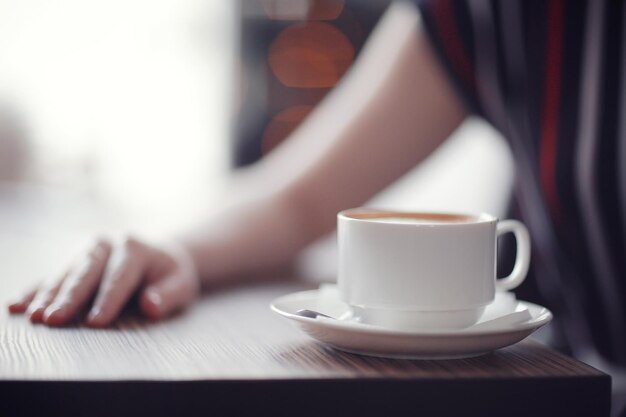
column 105, row 279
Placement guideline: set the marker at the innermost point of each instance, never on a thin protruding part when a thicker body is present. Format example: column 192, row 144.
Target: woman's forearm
column 245, row 241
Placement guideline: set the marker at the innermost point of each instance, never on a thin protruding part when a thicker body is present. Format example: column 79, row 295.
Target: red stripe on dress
column 451, row 40
column 551, row 105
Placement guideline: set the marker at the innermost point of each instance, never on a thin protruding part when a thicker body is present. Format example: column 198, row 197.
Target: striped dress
column 548, row 75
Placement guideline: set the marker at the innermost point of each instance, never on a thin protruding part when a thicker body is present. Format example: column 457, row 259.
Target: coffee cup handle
column 522, row 257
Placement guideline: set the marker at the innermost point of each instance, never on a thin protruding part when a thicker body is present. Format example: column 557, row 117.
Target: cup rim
column 366, row 214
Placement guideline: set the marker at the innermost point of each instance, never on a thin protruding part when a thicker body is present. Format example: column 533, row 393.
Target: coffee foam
column 412, row 218
column 408, row 220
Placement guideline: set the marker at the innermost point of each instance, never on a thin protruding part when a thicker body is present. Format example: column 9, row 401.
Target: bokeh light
column 310, row 55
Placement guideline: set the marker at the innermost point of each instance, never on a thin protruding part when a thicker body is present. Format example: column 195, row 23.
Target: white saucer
column 355, row 337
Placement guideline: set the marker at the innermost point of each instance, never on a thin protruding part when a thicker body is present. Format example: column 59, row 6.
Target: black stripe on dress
column 571, row 233
column 534, row 15
column 607, row 155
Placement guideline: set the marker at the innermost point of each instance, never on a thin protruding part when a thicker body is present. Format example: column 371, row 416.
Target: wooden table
column 230, row 355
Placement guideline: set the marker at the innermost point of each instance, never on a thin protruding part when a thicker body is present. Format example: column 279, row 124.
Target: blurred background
column 133, row 114
column 125, row 101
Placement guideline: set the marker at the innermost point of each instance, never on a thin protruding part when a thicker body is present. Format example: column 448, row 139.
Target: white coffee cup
column 406, row 271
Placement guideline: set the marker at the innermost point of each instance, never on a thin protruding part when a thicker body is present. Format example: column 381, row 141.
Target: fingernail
column 54, row 314
column 152, row 304
column 16, row 306
column 94, row 314
column 35, row 314
column 154, row 297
